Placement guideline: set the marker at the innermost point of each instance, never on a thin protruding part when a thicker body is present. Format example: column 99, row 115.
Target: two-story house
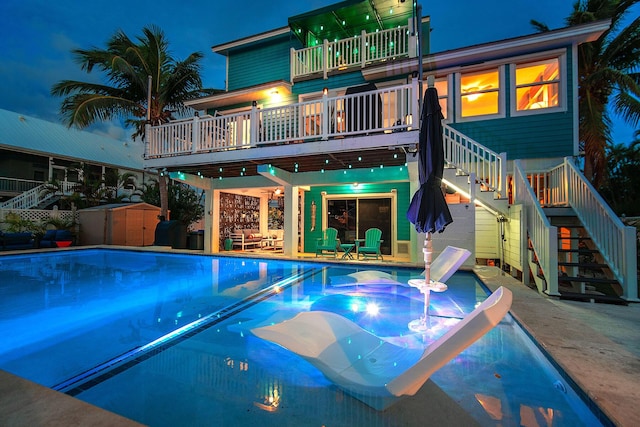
column 325, row 110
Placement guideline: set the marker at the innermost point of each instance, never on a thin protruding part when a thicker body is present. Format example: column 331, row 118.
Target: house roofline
column 509, row 47
column 248, row 94
column 224, row 48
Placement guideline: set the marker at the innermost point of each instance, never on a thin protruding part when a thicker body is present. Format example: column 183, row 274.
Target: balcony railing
column 351, row 52
column 390, row 109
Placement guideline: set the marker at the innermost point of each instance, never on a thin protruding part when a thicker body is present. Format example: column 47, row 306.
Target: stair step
column 579, row 251
column 587, row 279
column 585, row 265
column 567, row 225
column 573, row 238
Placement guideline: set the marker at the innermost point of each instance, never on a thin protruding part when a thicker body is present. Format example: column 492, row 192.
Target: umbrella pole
column 428, row 251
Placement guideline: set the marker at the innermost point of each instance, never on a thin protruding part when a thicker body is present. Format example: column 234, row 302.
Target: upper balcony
column 353, row 34
column 352, row 52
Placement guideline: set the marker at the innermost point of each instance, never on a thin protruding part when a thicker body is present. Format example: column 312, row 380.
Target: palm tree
column 133, row 70
column 608, row 76
column 621, row 188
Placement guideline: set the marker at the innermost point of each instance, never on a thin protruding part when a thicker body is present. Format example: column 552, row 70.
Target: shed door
column 135, row 228
column 149, row 229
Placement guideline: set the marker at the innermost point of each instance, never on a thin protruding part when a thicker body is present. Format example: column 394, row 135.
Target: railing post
column 147, row 136
column 363, row 48
column 630, row 288
column 292, row 68
column 566, row 182
column 195, row 134
column 415, row 104
column 502, row 185
column 325, row 115
column 325, row 59
column 255, row 124
column 472, row 186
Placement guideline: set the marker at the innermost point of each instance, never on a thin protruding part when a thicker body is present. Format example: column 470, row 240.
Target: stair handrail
column 33, row 197
column 24, row 200
column 615, row 240
column 469, row 156
column 543, row 236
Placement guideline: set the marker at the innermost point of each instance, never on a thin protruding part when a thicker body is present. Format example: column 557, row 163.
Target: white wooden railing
column 36, row 195
column 471, row 157
column 543, row 236
column 384, row 110
column 351, row 52
column 615, row 241
column 565, row 185
column 14, row 185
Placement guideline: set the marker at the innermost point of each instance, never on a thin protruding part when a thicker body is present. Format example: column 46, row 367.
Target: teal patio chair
column 371, row 246
column 328, row 244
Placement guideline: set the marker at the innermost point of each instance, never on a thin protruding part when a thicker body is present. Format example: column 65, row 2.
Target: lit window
column 537, row 85
column 480, row 93
column 442, row 87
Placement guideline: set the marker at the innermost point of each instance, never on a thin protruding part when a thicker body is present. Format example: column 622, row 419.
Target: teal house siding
column 525, row 137
column 403, row 226
column 262, row 62
column 342, row 80
column 537, row 136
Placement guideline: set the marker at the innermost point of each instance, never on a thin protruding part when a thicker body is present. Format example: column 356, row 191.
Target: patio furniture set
column 367, row 248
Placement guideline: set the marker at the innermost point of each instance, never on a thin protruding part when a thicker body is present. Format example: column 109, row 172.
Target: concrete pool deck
column 597, row 345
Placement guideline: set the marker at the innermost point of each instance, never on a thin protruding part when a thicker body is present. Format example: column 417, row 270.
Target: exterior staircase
column 582, row 273
column 37, row 198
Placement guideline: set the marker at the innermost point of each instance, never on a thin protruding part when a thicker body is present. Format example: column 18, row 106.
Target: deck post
column 195, row 134
column 293, row 67
column 630, row 288
column 415, row 103
column 325, row 115
column 363, row 49
column 325, row 59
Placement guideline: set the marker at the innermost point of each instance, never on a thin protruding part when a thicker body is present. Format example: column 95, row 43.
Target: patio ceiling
column 311, row 163
column 350, row 17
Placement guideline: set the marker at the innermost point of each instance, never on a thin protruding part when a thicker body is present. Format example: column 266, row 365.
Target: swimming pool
column 165, row 339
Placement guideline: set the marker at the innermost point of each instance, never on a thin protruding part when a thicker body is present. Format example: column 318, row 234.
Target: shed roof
column 28, row 134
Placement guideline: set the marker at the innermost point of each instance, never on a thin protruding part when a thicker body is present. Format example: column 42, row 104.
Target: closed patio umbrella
column 428, row 210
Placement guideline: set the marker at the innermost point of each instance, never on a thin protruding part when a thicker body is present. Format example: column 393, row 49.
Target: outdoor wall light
column 325, row 91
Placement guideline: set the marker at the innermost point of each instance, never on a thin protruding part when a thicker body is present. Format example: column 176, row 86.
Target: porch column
column 290, row 243
column 208, row 221
column 416, row 241
column 264, row 214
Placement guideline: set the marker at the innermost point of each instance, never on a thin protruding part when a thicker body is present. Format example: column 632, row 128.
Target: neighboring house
column 34, row 151
column 326, row 109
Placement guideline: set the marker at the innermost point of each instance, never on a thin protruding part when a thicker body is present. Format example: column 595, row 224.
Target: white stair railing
column 35, row 196
column 615, row 241
column 471, row 157
column 543, row 236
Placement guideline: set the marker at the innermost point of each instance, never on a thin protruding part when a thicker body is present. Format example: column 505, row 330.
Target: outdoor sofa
column 16, row 241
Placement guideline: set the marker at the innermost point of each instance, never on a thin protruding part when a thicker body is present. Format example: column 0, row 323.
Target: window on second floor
column 480, row 94
column 442, row 86
column 537, row 86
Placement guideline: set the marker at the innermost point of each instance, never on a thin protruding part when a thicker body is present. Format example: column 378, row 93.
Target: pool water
column 165, row 339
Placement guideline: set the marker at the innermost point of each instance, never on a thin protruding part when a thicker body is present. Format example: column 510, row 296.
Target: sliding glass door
column 353, row 216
